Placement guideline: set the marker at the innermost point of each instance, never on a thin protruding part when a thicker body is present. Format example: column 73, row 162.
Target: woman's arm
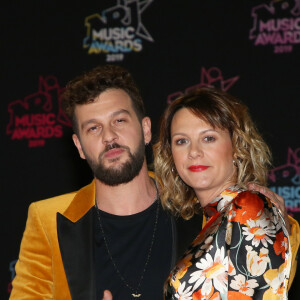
column 260, row 258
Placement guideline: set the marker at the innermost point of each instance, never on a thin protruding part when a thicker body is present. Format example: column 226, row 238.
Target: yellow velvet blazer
column 40, row 271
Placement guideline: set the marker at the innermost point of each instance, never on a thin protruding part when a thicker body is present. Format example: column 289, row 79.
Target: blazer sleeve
column 34, row 268
column 295, row 241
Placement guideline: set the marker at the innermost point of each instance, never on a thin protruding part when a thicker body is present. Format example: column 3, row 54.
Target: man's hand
column 277, row 200
column 107, row 295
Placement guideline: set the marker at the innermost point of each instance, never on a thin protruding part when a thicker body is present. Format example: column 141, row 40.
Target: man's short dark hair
column 85, row 88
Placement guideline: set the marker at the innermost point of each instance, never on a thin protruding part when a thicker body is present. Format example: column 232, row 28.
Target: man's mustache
column 111, row 146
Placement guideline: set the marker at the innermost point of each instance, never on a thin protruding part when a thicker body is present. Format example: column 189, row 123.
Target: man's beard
column 125, row 172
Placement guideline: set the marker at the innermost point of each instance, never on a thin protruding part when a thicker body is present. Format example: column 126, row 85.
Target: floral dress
column 242, row 253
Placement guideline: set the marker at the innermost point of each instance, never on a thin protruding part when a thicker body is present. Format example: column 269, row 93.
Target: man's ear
column 78, row 145
column 146, row 125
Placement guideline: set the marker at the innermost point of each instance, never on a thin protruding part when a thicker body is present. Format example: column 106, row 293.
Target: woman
column 209, row 150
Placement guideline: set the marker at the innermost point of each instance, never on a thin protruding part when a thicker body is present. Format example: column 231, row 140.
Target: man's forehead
column 113, row 99
column 107, row 105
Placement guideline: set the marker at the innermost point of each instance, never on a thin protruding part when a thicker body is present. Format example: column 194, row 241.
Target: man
column 112, row 234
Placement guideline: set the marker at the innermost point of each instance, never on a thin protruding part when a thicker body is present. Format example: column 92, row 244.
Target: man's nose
column 109, row 135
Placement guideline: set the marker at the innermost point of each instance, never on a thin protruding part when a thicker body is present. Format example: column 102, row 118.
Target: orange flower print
column 250, row 206
column 207, row 246
column 198, row 296
column 257, row 262
column 204, row 296
column 281, row 244
column 211, row 272
column 225, row 200
column 219, row 203
column 184, row 293
column 215, row 296
column 180, row 270
column 244, row 286
column 232, row 295
column 275, row 278
column 259, row 231
column 210, row 228
column 228, row 233
column 233, row 256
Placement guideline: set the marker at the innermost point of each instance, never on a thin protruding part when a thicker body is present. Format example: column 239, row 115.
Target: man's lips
column 113, row 152
column 198, row 168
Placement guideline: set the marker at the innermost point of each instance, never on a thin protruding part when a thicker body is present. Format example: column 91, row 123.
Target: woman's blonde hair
column 251, row 155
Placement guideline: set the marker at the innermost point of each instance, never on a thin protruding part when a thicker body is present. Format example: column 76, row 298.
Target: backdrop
column 249, row 48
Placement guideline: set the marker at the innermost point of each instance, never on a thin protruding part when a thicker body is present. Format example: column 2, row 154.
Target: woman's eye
column 209, row 139
column 180, row 141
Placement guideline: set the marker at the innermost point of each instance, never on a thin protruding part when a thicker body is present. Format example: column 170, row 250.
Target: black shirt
column 129, row 239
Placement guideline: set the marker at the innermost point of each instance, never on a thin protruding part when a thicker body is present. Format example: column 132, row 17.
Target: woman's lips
column 198, row 168
column 113, row 153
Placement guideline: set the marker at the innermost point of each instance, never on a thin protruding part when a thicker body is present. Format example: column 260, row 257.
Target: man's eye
column 209, row 139
column 120, row 120
column 93, row 128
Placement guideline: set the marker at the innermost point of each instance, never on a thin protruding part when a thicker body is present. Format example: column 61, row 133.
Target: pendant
column 136, row 295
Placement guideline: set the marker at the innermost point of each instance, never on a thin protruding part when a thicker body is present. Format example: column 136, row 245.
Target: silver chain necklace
column 135, row 292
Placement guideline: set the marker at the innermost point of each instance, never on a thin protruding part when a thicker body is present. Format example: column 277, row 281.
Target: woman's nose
column 195, row 151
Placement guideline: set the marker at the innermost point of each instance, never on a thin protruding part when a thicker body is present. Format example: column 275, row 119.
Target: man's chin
column 115, row 164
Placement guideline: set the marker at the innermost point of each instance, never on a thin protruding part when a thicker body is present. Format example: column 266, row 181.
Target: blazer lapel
column 75, row 231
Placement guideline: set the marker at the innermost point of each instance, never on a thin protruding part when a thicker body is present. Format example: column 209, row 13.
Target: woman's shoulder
column 249, row 205
column 250, row 199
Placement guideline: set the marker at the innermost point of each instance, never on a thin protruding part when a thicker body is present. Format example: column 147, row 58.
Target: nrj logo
column 39, row 116
column 276, row 24
column 285, row 180
column 211, row 77
column 117, row 30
